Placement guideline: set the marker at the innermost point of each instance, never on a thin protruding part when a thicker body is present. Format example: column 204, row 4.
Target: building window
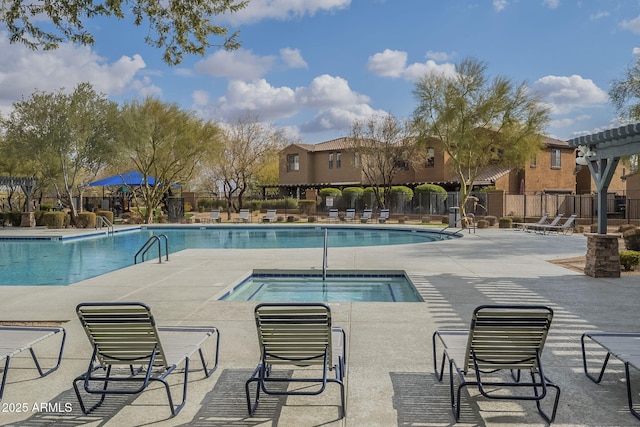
column 555, row 158
column 330, row 160
column 293, row 162
column 431, row 158
column 534, row 161
column 338, row 160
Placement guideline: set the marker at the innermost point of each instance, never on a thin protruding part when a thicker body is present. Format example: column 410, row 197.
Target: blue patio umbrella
column 131, row 178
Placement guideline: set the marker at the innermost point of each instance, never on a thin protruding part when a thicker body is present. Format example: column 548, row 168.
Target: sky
column 312, row 67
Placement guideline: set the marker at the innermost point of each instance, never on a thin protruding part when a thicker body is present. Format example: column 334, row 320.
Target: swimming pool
column 339, row 286
column 31, row 262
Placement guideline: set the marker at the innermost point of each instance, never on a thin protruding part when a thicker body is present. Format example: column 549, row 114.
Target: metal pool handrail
column 324, row 254
column 149, row 243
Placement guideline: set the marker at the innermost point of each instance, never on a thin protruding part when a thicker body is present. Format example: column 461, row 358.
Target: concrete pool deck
column 390, row 378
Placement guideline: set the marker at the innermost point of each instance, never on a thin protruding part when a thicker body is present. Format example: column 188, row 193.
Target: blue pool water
column 62, row 262
column 337, row 287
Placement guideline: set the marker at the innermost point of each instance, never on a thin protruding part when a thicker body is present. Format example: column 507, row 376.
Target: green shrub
column 482, row 223
column 132, row 217
column 632, row 239
column 107, row 214
column 505, row 222
column 54, row 219
column 629, row 259
column 401, row 189
column 312, row 219
column 287, row 203
column 307, row 207
column 492, row 220
column 86, row 220
column 353, row 192
column 330, row 191
column 430, row 188
column 13, row 218
column 517, row 219
column 46, row 206
column 626, row 227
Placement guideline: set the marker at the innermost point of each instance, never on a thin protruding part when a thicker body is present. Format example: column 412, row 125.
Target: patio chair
column 624, row 347
column 215, row 215
column 501, row 337
column 124, row 334
column 15, row 339
column 297, row 335
column 350, row 215
column 243, row 216
column 366, row 216
column 384, row 216
column 333, row 215
column 568, row 227
column 544, row 219
column 538, row 227
column 270, row 216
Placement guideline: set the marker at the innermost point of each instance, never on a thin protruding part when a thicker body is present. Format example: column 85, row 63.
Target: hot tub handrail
column 324, row 254
column 149, row 244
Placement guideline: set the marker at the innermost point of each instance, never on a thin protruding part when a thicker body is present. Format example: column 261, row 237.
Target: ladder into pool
column 153, row 240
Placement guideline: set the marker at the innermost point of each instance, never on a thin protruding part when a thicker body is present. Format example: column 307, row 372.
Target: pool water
column 31, row 262
column 309, row 286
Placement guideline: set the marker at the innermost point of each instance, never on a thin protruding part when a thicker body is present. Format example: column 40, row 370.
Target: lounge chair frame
column 544, row 219
column 124, row 334
column 16, row 339
column 332, row 215
column 384, row 216
column 568, row 227
column 297, row 335
column 501, row 337
column 366, row 216
column 270, row 215
column 350, row 215
column 624, row 346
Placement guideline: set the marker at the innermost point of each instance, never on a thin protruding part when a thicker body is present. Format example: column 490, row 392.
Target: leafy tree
column 625, row 93
column 480, row 123
column 248, row 148
column 178, row 27
column 64, row 137
column 165, row 143
column 386, row 147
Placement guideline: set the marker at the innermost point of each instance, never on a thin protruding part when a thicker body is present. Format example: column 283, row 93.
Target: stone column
column 28, row 219
column 603, row 256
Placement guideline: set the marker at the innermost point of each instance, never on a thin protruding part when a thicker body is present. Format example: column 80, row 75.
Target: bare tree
column 385, row 146
column 248, row 146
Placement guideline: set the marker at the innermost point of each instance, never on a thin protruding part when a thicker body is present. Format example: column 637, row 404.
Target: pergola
column 27, row 185
column 601, row 152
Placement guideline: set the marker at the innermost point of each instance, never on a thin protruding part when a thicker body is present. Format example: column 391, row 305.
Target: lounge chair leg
column 629, row 394
column 4, row 375
column 252, row 406
column 548, row 383
column 584, row 363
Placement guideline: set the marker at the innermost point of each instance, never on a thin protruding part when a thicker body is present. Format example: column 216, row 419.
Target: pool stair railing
column 153, row 240
column 102, row 221
column 324, row 254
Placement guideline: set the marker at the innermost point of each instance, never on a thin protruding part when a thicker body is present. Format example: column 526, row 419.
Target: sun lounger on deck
column 15, row 339
column 523, row 225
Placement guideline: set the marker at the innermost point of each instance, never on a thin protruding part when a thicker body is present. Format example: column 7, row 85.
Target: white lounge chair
column 366, row 216
column 624, row 346
column 215, row 215
column 333, row 215
column 500, row 338
column 350, row 215
column 537, row 227
column 523, row 225
column 124, row 334
column 15, row 339
column 568, row 227
column 295, row 336
column 243, row 216
column 270, row 216
column 384, row 216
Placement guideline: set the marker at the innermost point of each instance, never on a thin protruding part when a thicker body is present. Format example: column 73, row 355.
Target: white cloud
column 552, row 4
column 327, row 91
column 438, row 56
column 339, row 118
column 330, row 98
column 568, row 93
column 259, row 97
column 258, row 10
column 499, row 5
column 390, row 63
column 238, row 64
column 632, row 25
column 636, row 51
column 293, row 58
column 598, row 15
column 23, row 71
column 393, row 63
